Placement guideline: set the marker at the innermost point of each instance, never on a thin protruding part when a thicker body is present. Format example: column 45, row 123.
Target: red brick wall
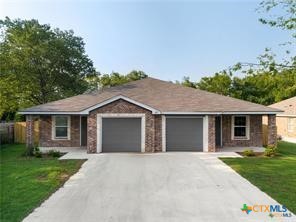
column 158, row 133
column 272, row 130
column 211, row 134
column 152, row 139
column 255, row 132
column 45, row 133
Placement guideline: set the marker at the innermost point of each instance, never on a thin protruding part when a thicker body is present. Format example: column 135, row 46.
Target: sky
column 165, row 39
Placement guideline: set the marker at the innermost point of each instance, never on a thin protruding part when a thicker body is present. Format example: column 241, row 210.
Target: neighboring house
column 286, row 121
column 150, row 115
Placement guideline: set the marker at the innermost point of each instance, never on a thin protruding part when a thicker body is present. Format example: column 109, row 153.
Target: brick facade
column 45, row 133
column 255, row 133
column 272, row 132
column 211, row 134
column 153, row 137
column 152, row 130
column 157, row 133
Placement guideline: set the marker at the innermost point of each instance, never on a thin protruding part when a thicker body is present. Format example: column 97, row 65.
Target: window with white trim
column 290, row 125
column 240, row 127
column 61, row 127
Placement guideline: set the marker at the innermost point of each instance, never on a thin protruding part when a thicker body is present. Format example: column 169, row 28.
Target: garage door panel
column 121, row 134
column 184, row 134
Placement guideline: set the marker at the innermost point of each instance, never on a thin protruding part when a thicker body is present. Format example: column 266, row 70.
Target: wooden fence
column 265, row 134
column 20, row 132
column 15, row 132
column 6, row 133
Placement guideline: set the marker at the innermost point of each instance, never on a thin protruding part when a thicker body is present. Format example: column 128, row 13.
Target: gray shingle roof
column 288, row 106
column 161, row 95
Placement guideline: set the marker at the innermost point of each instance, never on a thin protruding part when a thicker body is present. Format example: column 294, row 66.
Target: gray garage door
column 121, row 134
column 184, row 134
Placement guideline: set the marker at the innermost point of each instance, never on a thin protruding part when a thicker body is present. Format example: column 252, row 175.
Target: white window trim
column 247, row 137
column 290, row 125
column 53, row 129
column 120, row 115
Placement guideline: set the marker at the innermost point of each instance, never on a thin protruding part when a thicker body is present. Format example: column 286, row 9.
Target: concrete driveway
column 154, row 187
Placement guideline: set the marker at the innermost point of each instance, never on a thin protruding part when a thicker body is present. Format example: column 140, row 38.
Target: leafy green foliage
column 270, row 151
column 54, row 153
column 267, row 81
column 40, row 64
column 220, row 83
column 115, row 78
column 264, row 88
column 248, row 153
column 274, row 19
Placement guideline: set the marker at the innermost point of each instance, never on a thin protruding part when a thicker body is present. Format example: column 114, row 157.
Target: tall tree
column 220, row 83
column 114, row 79
column 40, row 64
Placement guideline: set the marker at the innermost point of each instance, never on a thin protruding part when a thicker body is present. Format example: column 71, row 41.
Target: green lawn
column 274, row 176
column 26, row 182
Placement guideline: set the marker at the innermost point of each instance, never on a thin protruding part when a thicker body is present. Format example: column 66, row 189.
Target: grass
column 25, row 182
column 275, row 176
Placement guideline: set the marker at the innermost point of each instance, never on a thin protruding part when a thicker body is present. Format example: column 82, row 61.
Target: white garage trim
column 120, row 115
column 163, row 129
column 205, row 134
column 205, row 130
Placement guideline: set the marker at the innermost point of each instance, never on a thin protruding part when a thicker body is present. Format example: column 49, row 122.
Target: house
column 286, row 121
column 150, row 115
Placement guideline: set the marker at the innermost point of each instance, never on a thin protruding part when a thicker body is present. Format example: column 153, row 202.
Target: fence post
column 10, row 133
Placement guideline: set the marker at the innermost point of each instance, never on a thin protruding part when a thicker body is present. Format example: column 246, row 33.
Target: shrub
column 54, row 153
column 248, row 153
column 270, row 151
column 38, row 154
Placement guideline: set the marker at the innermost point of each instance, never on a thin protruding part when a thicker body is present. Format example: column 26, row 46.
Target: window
column 61, row 127
column 240, row 127
column 290, row 125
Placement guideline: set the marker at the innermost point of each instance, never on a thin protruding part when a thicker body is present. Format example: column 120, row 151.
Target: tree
column 114, row 79
column 280, row 14
column 220, row 83
column 40, row 64
column 286, row 20
column 186, row 82
column 267, row 81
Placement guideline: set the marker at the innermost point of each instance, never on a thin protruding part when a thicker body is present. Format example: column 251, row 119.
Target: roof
column 156, row 95
column 288, row 106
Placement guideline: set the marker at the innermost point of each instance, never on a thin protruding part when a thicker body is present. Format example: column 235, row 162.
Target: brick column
column 272, row 134
column 211, row 134
column 92, row 133
column 29, row 132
